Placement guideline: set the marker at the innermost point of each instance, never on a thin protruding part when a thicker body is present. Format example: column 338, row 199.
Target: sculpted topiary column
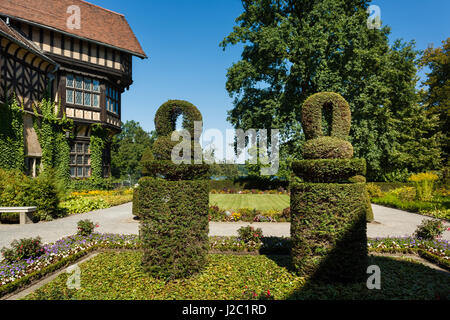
column 172, row 201
column 328, row 204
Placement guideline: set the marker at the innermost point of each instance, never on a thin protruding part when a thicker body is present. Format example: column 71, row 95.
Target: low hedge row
column 170, row 171
column 329, row 170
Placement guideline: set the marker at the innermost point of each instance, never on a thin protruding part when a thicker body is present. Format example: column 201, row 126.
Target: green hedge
column 167, row 114
column 329, row 170
column 335, row 108
column 175, row 226
column 327, row 148
column 170, row 171
column 328, row 230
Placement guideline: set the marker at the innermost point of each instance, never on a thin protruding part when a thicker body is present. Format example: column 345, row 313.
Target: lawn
column 118, row 275
column 262, row 202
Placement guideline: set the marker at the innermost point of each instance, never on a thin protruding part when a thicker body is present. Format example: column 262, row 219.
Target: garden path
column 389, row 222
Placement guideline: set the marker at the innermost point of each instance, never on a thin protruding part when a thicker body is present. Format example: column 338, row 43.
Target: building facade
column 76, row 53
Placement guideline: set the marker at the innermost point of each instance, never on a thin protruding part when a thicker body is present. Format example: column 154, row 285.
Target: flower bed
column 404, row 198
column 87, row 201
column 70, row 249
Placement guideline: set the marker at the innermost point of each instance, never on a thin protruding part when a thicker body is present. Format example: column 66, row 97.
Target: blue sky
column 181, row 38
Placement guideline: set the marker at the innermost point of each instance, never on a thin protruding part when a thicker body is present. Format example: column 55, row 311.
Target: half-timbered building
column 77, row 53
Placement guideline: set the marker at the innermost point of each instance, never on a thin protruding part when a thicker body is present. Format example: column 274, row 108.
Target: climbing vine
column 99, row 141
column 12, row 145
column 51, row 131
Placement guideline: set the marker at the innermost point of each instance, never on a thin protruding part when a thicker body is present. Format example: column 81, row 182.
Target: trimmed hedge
column 328, row 231
column 327, row 148
column 167, row 114
column 329, row 170
column 170, row 171
column 335, row 107
column 175, row 226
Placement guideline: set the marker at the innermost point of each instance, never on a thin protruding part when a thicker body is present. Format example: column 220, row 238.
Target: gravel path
column 388, row 222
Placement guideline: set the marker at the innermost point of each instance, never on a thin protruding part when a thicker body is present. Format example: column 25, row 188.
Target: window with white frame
column 82, row 91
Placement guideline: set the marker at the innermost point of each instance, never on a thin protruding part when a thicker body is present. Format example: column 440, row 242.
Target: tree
column 127, row 150
column 293, row 49
column 436, row 98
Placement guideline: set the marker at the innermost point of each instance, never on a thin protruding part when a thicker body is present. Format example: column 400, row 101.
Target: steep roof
column 97, row 24
column 21, row 41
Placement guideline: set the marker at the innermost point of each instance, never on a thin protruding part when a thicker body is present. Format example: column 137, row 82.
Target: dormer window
column 82, row 91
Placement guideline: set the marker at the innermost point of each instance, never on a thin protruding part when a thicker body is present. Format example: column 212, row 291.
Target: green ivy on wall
column 12, row 145
column 51, row 131
column 99, row 141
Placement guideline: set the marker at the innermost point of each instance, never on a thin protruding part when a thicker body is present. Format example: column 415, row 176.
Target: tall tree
column 293, row 49
column 436, row 96
column 127, row 150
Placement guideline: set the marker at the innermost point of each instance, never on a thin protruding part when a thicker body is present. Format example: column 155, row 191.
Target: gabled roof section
column 96, row 23
column 14, row 36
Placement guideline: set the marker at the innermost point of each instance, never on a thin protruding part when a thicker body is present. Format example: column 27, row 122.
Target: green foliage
column 86, row 227
column 293, row 49
column 174, row 229
column 81, row 205
column 357, row 179
column 429, row 229
column 147, row 156
column 424, row 183
column 167, row 114
column 329, row 170
column 92, row 183
column 98, row 142
column 23, row 249
column 227, row 277
column 128, row 149
column 328, row 231
column 12, row 148
column 436, row 98
column 373, row 190
column 404, row 198
column 51, row 131
column 44, row 192
column 327, row 148
column 337, row 116
column 170, row 171
column 250, row 234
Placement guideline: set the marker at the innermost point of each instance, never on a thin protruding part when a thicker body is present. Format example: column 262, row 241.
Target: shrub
column 328, row 170
column 429, row 230
column 83, row 204
column 397, row 176
column 170, row 171
column 424, row 185
column 328, row 231
column 250, row 234
column 286, row 214
column 373, row 190
column 357, row 179
column 174, row 226
column 167, row 114
column 335, row 107
column 404, row 193
column 23, row 249
column 43, row 192
column 327, row 148
column 86, row 227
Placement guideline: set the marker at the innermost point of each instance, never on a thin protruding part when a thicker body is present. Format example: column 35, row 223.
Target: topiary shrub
column 337, row 110
column 175, row 226
column 327, row 148
column 329, row 205
column 328, row 231
column 172, row 200
column 167, row 114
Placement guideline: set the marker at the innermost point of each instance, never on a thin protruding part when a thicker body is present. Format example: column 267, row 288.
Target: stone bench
column 26, row 213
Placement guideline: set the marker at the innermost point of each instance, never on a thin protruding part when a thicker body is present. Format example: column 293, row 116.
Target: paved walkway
column 389, row 222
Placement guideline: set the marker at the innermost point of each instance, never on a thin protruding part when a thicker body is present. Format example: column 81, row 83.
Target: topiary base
column 329, row 232
column 174, row 228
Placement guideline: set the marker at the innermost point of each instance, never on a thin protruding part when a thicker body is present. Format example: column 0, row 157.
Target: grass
column 261, row 202
column 118, row 275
